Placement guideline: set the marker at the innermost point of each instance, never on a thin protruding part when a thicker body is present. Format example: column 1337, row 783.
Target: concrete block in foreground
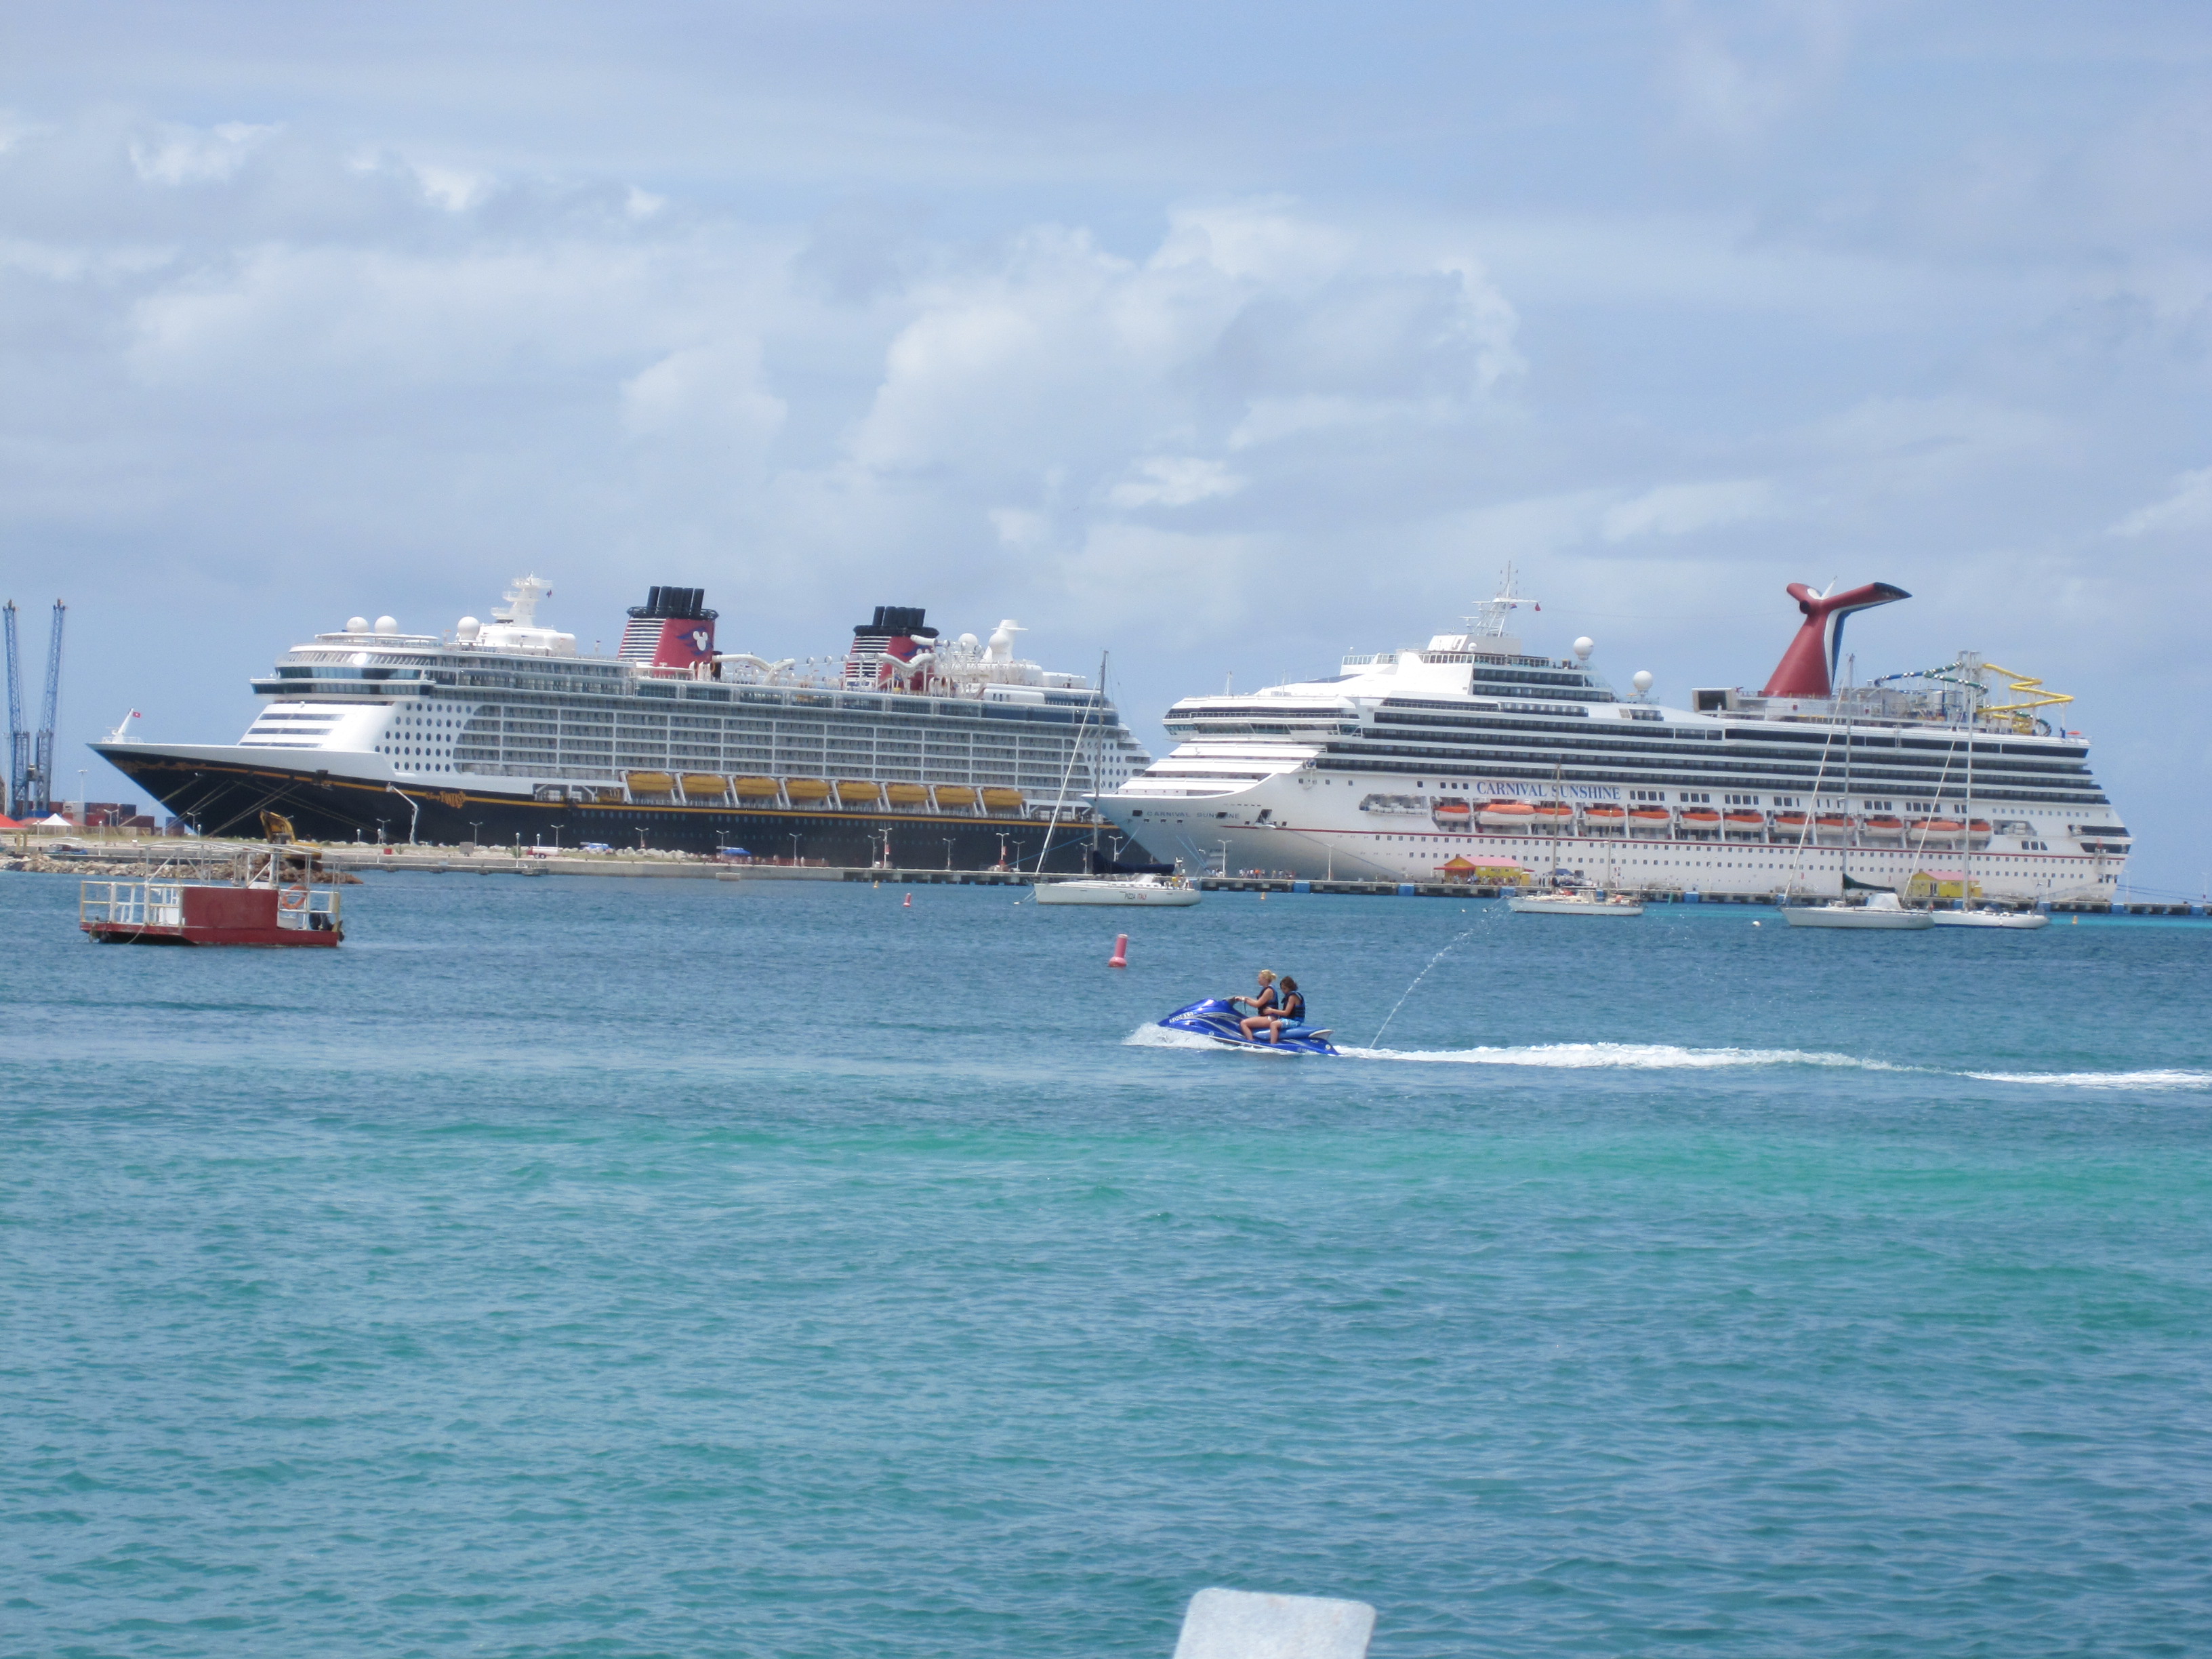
column 1227, row 1623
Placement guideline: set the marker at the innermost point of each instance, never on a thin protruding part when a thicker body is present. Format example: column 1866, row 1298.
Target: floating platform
column 276, row 896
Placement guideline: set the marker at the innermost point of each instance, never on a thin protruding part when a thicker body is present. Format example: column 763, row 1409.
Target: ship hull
column 222, row 797
column 1278, row 826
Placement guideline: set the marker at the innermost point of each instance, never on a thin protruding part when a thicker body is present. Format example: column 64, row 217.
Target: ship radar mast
column 1492, row 616
column 521, row 606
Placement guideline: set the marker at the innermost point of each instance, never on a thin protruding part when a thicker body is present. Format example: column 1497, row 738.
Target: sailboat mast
column 1966, row 862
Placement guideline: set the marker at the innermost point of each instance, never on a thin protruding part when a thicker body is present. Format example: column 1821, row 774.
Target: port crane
column 31, row 753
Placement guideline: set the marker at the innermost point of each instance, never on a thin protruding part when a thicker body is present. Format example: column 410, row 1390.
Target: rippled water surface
column 571, row 1267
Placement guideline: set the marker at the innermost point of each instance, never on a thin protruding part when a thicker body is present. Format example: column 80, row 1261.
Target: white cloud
column 1020, row 528
column 1061, row 353
column 1735, row 73
column 1174, row 481
column 1117, row 576
column 2188, row 505
column 454, row 189
column 1679, row 509
column 710, row 394
column 192, row 155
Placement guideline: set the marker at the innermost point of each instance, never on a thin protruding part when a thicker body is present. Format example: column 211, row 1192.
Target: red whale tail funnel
column 1807, row 668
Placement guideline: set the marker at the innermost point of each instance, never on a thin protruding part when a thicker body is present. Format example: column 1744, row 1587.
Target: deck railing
column 131, row 903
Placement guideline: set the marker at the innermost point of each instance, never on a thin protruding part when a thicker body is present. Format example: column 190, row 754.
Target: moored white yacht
column 1575, row 901
column 1172, row 892
column 1881, row 912
column 1982, row 916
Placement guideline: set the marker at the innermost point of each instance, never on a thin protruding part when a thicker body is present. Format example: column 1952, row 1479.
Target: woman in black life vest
column 1262, row 1006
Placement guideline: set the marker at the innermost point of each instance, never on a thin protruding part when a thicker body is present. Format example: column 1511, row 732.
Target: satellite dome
column 387, row 624
column 1583, row 646
column 467, row 629
column 356, row 624
column 1641, row 681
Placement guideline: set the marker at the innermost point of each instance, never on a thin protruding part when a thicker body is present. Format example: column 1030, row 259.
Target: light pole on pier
column 415, row 807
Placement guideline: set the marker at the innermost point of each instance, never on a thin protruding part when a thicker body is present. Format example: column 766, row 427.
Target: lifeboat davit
column 1605, row 820
column 1508, row 815
column 1652, row 821
column 1451, row 812
column 1746, row 826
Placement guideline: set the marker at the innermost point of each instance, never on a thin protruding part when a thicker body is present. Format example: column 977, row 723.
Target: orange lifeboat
column 1790, row 826
column 1883, row 827
column 1649, row 820
column 1935, row 832
column 1977, row 832
column 1553, row 815
column 1837, row 827
column 1452, row 813
column 1508, row 815
column 1605, row 820
column 1744, row 826
column 1701, row 819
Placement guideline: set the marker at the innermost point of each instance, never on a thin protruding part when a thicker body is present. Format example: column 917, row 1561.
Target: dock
column 138, row 856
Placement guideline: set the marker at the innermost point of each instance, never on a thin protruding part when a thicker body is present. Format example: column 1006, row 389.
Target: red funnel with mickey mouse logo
column 673, row 629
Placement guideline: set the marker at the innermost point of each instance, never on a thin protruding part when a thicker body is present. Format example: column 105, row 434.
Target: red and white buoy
column 1120, row 956
column 908, row 905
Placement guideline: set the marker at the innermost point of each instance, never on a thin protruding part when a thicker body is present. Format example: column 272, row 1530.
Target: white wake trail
column 1623, row 1056
column 2163, row 1080
column 1670, row 1057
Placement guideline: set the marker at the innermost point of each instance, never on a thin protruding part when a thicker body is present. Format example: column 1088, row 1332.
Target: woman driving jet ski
column 1263, row 1006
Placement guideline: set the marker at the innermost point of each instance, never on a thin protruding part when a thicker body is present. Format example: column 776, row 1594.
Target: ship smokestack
column 895, row 636
column 1807, row 668
column 673, row 629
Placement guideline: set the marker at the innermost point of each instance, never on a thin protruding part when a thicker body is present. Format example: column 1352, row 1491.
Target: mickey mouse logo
column 699, row 638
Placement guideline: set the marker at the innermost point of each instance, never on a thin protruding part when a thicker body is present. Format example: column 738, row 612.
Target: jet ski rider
column 1291, row 1011
column 1263, row 1006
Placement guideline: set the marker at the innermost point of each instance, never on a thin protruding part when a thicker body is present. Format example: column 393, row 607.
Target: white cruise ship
column 903, row 748
column 1472, row 759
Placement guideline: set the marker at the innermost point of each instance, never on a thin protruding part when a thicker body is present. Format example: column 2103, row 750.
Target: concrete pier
column 98, row 855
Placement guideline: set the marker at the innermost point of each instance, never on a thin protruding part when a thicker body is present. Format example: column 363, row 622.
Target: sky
column 1220, row 339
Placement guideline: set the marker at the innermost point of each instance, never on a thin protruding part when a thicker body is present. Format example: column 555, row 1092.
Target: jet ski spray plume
column 1410, row 989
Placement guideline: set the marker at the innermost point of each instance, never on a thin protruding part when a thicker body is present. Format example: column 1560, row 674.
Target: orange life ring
column 292, row 898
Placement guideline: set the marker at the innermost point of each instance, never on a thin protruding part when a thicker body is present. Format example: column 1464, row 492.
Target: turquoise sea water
column 573, row 1268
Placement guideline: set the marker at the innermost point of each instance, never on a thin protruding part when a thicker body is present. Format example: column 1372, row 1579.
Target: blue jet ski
column 1215, row 1018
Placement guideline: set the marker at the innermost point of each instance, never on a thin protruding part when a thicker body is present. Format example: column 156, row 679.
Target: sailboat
column 1882, row 911
column 1970, row 915
column 1574, row 900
